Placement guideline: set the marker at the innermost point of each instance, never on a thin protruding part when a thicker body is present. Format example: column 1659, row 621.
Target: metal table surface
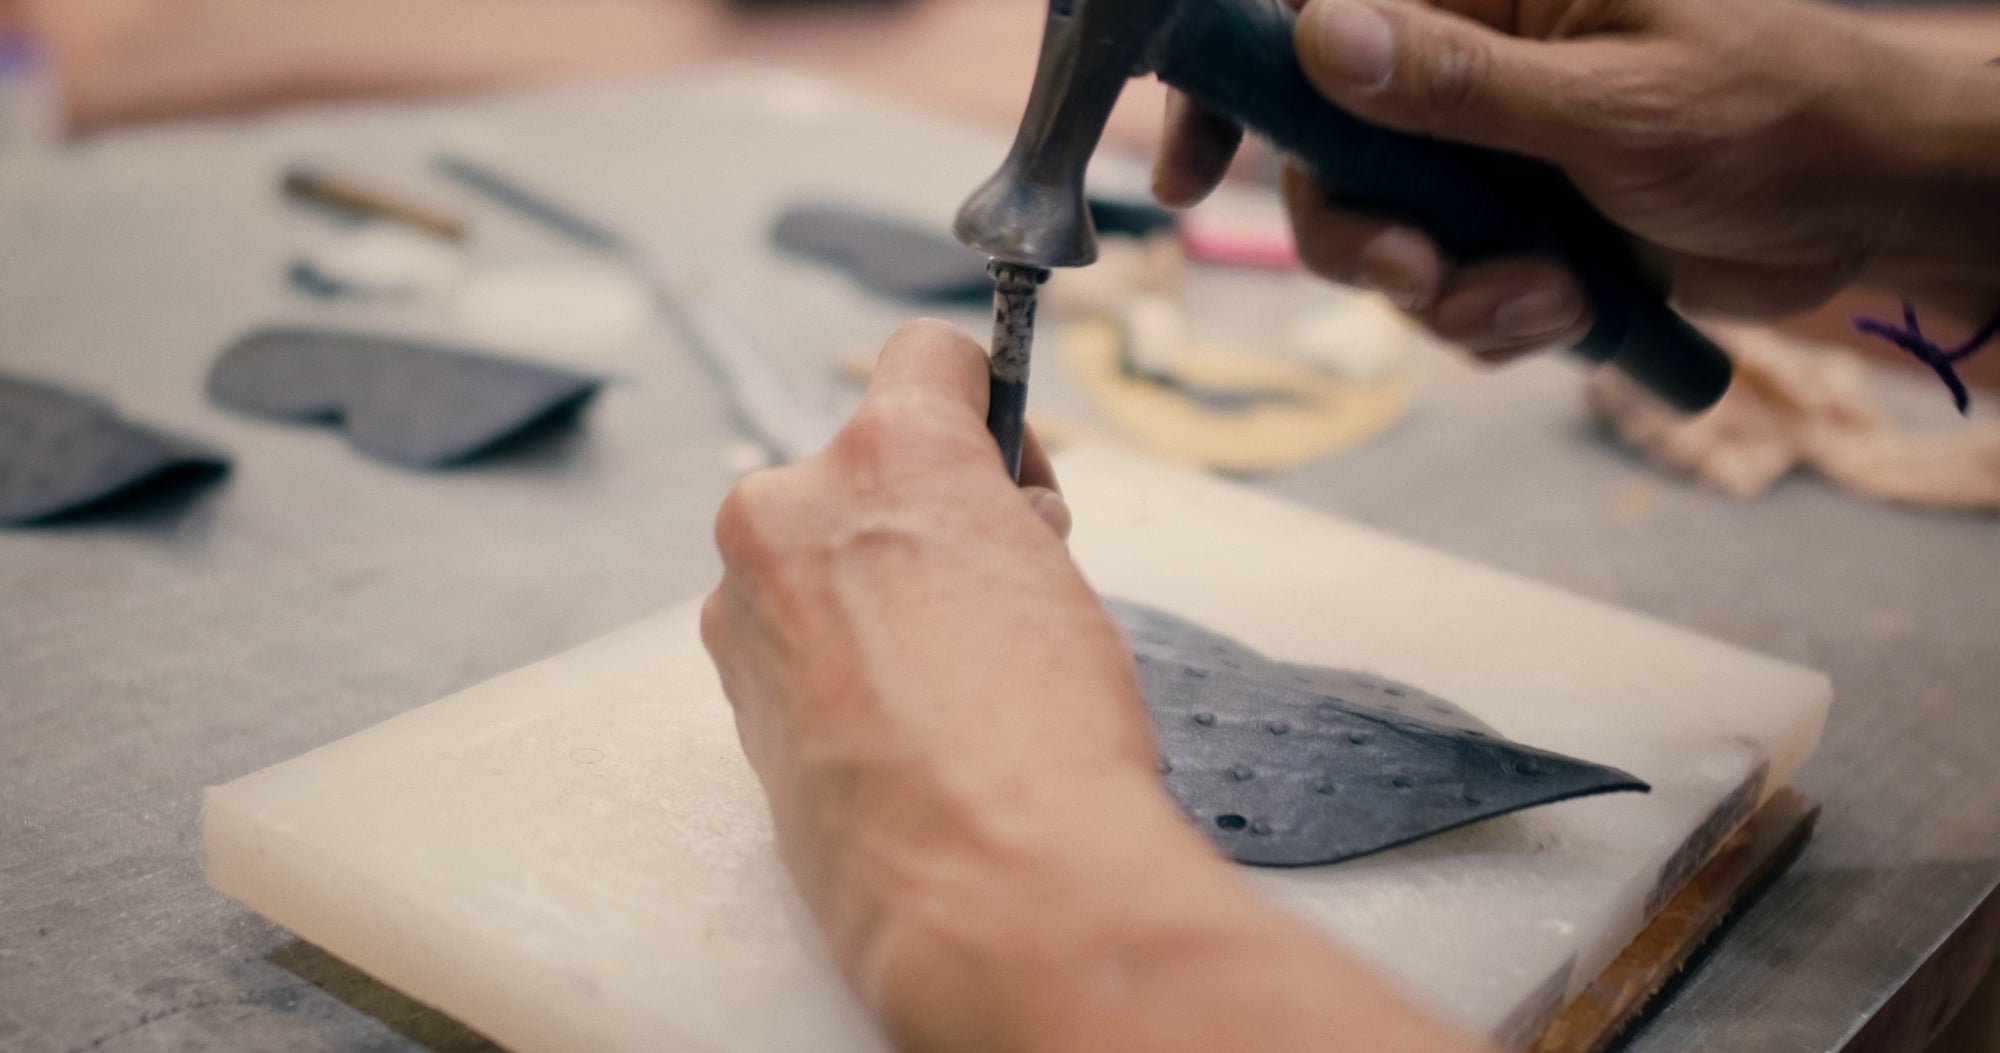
column 313, row 593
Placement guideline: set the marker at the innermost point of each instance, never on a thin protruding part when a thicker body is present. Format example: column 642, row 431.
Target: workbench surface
column 314, row 593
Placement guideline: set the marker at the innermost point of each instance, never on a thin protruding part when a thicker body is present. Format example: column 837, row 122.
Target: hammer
column 1235, row 57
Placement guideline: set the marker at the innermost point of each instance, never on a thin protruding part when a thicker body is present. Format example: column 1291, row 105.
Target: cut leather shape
column 64, row 452
column 408, row 402
column 1287, row 765
column 886, row 255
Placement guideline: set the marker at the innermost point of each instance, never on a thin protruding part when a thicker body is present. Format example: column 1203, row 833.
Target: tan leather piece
column 1799, row 404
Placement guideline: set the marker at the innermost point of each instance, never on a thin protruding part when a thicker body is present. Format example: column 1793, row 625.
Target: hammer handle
column 1236, row 57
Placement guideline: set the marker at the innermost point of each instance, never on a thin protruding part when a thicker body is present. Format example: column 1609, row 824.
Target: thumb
column 933, row 362
column 1418, row 69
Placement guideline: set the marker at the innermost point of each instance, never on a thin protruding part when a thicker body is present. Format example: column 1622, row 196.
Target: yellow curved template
column 1327, row 414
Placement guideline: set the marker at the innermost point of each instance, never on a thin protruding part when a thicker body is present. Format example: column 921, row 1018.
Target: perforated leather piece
column 1287, row 765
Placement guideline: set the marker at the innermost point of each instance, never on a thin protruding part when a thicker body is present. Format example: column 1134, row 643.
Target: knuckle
column 872, row 434
column 901, row 432
column 746, row 522
column 1645, row 114
column 1455, row 74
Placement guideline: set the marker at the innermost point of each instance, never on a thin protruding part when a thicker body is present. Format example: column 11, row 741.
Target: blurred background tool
column 376, row 260
column 358, row 201
column 762, row 399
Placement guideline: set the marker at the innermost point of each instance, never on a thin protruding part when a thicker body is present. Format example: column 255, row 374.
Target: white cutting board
column 574, row 856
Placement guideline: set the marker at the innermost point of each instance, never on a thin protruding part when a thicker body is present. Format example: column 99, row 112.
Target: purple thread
column 1910, row 337
column 18, row 53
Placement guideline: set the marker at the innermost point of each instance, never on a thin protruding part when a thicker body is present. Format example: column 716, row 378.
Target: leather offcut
column 407, row 402
column 63, row 452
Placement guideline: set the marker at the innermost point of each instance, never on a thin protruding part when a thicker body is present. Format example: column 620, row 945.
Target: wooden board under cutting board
column 575, row 856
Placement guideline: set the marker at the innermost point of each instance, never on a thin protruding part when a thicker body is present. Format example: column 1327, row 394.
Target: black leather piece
column 1286, row 765
column 1130, row 217
column 62, row 452
column 408, row 402
column 886, row 255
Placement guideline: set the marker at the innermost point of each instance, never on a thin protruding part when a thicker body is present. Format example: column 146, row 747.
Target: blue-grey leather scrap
column 63, row 452
column 897, row 258
column 886, row 255
column 1130, row 217
column 1288, row 765
column 408, row 402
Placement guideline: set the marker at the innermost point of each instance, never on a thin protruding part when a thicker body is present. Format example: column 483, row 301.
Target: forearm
column 1109, row 925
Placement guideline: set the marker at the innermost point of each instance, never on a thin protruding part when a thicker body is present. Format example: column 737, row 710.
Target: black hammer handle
column 1236, row 57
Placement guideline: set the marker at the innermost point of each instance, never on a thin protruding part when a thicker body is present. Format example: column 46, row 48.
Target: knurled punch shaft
column 1014, row 288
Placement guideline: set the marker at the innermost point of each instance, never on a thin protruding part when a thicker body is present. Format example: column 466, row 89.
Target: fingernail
column 1398, row 287
column 1354, row 41
column 1539, row 312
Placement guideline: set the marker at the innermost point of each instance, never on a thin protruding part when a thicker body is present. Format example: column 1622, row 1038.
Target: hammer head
column 1032, row 211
